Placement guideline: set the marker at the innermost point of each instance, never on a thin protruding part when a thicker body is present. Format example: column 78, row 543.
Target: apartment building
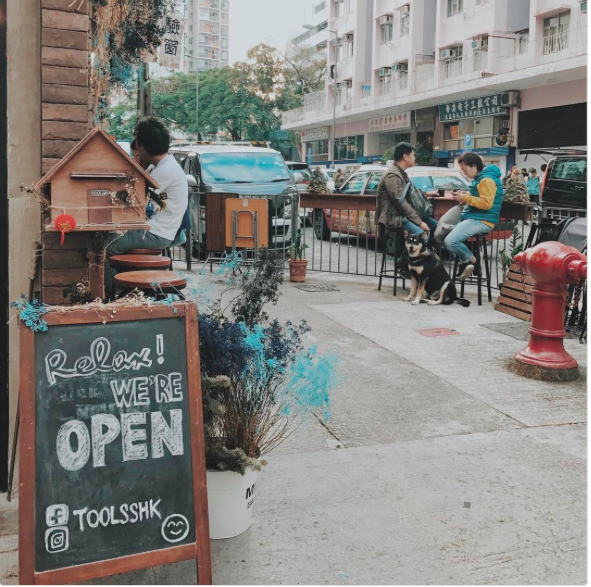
column 495, row 76
column 314, row 15
column 207, row 34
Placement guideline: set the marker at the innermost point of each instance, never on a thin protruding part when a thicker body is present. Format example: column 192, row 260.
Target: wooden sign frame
column 200, row 549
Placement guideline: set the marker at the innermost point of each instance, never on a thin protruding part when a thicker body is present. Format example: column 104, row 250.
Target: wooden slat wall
column 515, row 296
column 65, row 43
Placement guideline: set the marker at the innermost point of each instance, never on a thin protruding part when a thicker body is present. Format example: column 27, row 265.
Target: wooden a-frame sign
column 112, row 463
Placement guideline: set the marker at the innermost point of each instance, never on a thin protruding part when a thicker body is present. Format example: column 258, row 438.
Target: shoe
column 465, row 271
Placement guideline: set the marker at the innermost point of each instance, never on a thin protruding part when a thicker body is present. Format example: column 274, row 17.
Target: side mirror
column 193, row 183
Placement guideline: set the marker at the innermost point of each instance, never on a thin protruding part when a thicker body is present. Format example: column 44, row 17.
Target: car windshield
column 305, row 173
column 570, row 169
column 436, row 182
column 243, row 167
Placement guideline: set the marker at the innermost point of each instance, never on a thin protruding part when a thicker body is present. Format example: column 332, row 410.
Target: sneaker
column 465, row 271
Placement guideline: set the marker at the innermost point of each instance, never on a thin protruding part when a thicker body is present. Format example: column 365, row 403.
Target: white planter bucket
column 230, row 499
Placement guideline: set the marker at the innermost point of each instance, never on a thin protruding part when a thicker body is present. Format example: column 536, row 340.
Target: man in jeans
column 152, row 141
column 481, row 212
column 393, row 211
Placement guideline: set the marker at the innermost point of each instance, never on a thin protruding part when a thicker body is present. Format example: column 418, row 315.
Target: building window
column 404, row 25
column 190, row 40
column 385, row 84
column 451, row 131
column 224, row 56
column 339, row 8
column 318, row 150
column 349, row 147
column 452, row 61
column 224, row 43
column 339, row 51
column 556, row 33
column 350, row 46
column 480, row 53
column 454, row 7
column 522, row 42
column 386, row 32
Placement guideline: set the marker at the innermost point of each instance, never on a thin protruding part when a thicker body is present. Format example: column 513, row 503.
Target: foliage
column 515, row 189
column 122, row 119
column 260, row 381
column 261, row 289
column 296, row 251
column 78, row 293
column 304, row 71
column 516, row 246
column 317, row 184
column 30, row 313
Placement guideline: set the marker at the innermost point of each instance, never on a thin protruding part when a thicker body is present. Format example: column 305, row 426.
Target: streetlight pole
column 311, row 27
column 196, row 92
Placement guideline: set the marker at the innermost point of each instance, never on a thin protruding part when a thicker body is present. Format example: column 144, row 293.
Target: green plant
column 516, row 246
column 297, row 249
column 423, row 155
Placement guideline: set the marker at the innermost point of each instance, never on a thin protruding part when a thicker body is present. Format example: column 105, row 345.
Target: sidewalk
column 438, row 465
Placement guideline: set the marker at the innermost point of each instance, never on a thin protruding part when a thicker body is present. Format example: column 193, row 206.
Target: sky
column 273, row 22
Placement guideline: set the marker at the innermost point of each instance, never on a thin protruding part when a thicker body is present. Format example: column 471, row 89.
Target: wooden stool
column 476, row 242
column 395, row 233
column 153, row 283
column 144, row 252
column 139, row 262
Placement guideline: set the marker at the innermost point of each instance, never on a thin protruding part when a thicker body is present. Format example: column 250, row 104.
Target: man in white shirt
column 152, row 141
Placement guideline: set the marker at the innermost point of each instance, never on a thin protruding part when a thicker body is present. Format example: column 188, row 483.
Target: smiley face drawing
column 175, row 528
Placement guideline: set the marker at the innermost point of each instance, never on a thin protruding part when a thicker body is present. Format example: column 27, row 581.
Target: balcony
column 512, row 60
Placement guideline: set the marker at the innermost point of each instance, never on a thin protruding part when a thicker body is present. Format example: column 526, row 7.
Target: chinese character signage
column 472, row 108
column 315, row 134
column 390, row 122
column 170, row 50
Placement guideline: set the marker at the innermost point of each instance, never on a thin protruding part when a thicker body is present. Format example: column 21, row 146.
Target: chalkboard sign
column 112, row 460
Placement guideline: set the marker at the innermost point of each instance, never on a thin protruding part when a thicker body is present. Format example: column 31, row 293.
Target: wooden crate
column 515, row 298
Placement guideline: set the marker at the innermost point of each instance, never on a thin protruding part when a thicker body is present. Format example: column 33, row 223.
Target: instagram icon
column 56, row 539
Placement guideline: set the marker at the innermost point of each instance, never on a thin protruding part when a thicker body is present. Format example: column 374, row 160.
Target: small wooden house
column 98, row 184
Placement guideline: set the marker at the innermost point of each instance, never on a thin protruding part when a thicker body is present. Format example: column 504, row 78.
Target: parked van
column 251, row 172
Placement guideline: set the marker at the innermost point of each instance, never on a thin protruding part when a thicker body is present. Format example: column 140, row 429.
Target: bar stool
column 144, row 252
column 158, row 284
column 139, row 262
column 475, row 243
column 395, row 234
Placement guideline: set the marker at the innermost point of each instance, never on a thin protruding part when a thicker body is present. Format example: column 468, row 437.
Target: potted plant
column 297, row 264
column 260, row 381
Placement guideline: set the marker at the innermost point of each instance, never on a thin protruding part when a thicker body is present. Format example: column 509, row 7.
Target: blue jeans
column 414, row 230
column 455, row 241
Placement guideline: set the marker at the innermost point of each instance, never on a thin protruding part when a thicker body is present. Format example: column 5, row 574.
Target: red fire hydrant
column 552, row 266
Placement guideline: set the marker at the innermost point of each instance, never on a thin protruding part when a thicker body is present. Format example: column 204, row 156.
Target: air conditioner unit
column 506, row 124
column 348, row 83
column 338, row 85
column 385, row 20
column 584, row 6
column 345, row 106
column 348, row 37
column 449, row 53
column 403, row 66
column 405, row 10
column 384, row 72
column 512, row 98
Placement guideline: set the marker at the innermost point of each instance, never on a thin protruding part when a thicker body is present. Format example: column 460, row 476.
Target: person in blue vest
column 482, row 208
column 533, row 185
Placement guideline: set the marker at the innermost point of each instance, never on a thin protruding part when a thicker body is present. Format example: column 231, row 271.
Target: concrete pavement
column 438, row 465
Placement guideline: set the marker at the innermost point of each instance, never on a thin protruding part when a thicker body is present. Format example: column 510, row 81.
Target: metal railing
column 342, row 236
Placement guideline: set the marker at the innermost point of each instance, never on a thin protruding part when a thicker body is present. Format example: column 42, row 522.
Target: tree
column 122, row 120
column 304, row 73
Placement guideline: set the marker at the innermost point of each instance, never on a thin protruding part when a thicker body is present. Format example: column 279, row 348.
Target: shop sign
column 390, row 122
column 472, row 108
column 426, row 125
column 170, row 50
column 315, row 134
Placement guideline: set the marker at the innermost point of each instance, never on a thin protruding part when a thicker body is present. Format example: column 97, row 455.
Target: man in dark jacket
column 392, row 210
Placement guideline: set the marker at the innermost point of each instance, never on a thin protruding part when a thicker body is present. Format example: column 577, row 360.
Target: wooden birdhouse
column 99, row 185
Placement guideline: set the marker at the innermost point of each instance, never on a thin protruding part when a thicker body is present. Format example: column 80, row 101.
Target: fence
column 342, row 235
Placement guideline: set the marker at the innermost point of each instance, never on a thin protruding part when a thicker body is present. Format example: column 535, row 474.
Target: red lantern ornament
column 65, row 223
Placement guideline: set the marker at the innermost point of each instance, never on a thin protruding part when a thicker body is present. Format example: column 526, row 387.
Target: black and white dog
column 429, row 277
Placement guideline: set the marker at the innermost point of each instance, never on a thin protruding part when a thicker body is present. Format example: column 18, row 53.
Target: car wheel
column 321, row 230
